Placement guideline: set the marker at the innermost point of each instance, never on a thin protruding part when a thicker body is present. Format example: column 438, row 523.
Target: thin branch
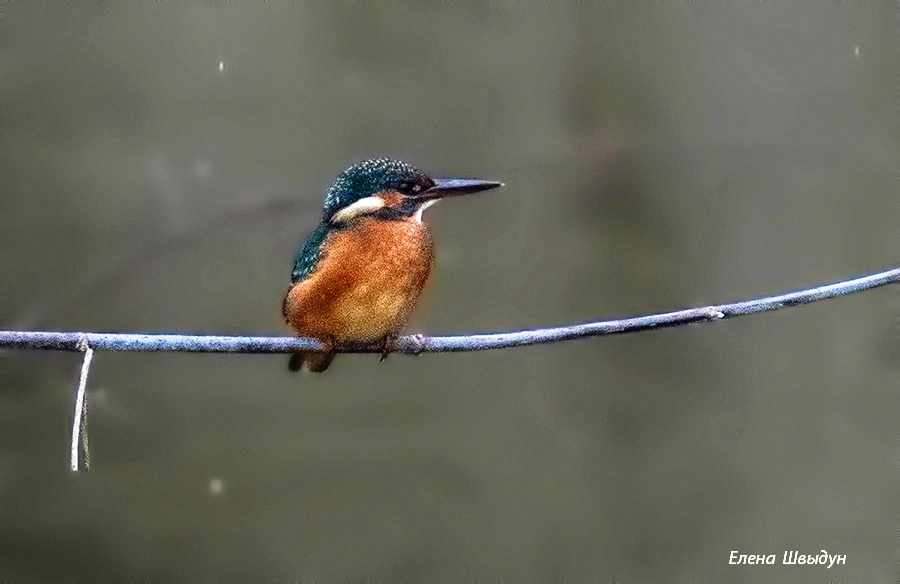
column 416, row 344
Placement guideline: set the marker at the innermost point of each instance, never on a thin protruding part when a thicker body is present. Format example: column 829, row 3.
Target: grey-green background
column 655, row 156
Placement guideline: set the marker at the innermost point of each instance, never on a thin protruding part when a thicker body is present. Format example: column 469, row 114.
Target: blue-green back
column 310, row 254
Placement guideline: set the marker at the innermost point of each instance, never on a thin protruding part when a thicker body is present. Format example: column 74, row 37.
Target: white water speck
column 856, row 51
column 216, row 486
column 221, row 66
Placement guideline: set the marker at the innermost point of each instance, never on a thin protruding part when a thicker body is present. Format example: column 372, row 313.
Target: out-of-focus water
column 160, row 164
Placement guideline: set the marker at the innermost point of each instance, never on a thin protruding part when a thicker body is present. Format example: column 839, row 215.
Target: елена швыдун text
column 790, row 558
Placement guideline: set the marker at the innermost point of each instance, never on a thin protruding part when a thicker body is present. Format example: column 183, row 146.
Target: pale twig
column 79, row 420
column 416, row 344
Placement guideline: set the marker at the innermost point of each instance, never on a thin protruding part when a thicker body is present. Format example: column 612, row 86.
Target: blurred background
column 161, row 164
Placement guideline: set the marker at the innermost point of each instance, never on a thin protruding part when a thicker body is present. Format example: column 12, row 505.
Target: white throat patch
column 421, row 209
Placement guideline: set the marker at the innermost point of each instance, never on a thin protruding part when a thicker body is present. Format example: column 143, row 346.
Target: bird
column 360, row 272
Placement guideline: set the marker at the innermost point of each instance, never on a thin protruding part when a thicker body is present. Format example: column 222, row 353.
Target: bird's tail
column 315, row 362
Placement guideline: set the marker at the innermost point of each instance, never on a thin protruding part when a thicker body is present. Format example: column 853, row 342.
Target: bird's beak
column 452, row 187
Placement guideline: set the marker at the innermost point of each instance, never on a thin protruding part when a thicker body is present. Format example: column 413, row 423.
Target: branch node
column 414, row 344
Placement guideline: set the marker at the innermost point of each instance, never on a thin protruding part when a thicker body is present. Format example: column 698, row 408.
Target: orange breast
column 366, row 284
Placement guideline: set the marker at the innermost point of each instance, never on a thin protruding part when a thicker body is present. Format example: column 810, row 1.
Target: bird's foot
column 387, row 344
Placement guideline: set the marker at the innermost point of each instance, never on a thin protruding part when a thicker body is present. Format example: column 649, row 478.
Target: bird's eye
column 404, row 187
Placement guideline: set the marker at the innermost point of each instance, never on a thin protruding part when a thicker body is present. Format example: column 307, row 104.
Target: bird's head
column 392, row 190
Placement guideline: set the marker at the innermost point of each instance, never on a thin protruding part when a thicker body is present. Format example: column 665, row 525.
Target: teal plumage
column 366, row 178
column 310, row 254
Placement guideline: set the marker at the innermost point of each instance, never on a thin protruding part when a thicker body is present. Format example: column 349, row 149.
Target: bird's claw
column 386, row 346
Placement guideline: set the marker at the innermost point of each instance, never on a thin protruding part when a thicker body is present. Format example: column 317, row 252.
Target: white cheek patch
column 363, row 206
column 421, row 209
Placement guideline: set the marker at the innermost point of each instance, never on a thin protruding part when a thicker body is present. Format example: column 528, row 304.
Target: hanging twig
column 415, row 344
column 79, row 419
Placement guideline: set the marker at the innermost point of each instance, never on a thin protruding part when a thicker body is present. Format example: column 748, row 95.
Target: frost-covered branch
column 416, row 344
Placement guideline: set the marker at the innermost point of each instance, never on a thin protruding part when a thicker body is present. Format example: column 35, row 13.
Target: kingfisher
column 358, row 276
